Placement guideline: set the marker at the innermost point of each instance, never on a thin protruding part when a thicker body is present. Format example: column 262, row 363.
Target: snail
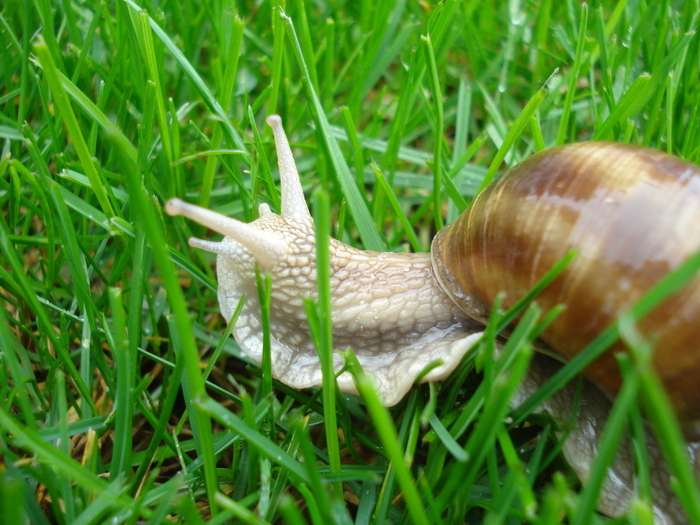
column 633, row 214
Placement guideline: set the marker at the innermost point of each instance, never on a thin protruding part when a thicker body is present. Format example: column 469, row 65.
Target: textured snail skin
column 632, row 214
column 387, row 307
column 399, row 321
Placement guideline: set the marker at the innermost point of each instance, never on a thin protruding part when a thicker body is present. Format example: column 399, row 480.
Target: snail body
column 631, row 213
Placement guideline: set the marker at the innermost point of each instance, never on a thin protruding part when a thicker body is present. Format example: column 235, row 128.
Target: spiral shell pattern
column 631, row 213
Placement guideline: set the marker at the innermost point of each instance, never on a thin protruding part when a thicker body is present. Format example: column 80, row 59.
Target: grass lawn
column 123, row 398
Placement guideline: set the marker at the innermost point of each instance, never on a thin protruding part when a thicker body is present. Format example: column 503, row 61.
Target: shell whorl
column 631, row 213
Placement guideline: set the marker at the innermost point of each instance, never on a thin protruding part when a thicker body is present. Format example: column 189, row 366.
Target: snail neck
column 390, row 309
column 385, row 297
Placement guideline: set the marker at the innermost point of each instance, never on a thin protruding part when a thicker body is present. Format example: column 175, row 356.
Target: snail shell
column 631, row 213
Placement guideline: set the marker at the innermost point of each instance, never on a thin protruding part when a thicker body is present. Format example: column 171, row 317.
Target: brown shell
column 633, row 214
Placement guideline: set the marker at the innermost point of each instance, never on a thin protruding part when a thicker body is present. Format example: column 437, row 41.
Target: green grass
column 123, row 396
